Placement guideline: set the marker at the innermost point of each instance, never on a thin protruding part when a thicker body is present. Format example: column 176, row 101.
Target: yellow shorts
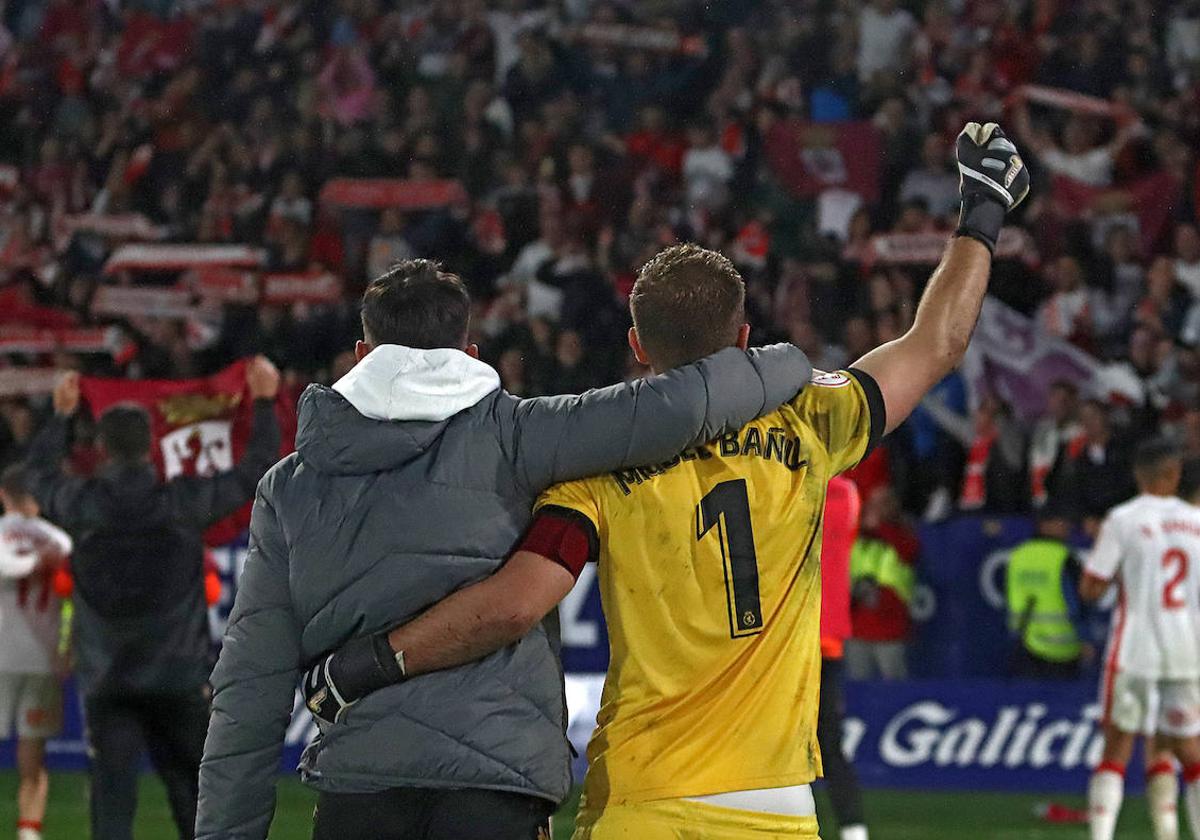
column 680, row 819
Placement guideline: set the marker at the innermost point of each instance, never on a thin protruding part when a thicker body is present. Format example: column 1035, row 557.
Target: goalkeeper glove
column 992, row 180
column 342, row 678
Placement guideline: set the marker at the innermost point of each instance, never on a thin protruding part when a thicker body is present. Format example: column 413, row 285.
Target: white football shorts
column 1147, row 707
column 31, row 702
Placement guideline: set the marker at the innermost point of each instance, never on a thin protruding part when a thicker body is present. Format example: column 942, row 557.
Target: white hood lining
column 401, row 383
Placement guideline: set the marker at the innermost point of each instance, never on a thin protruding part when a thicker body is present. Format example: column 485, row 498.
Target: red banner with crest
column 200, row 426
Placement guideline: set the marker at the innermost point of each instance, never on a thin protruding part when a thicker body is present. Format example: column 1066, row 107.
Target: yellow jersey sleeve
column 845, row 410
column 577, row 496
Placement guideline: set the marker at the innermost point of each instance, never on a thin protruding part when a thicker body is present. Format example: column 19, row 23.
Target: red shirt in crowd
column 871, row 473
column 888, row 620
column 659, row 149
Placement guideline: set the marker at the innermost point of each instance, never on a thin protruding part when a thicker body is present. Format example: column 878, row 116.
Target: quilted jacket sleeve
column 254, row 685
column 563, row 438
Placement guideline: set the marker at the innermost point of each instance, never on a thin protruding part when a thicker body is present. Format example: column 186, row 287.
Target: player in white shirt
column 1150, row 546
column 30, row 615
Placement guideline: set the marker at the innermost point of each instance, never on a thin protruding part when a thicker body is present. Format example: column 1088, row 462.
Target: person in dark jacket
column 413, row 477
column 140, row 616
column 1098, row 473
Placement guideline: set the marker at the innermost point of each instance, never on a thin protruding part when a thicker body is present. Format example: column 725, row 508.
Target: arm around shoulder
column 563, row 438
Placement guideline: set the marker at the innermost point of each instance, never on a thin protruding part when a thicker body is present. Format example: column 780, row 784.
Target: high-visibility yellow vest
column 1035, row 597
column 878, row 560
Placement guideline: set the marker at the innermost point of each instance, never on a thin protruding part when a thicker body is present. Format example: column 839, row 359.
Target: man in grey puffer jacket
column 413, row 477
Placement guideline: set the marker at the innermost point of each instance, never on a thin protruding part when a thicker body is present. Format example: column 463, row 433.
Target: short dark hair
column 687, row 303
column 124, row 431
column 14, row 481
column 1151, row 454
column 417, row 304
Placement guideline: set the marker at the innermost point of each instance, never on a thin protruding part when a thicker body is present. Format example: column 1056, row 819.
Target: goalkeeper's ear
column 635, row 344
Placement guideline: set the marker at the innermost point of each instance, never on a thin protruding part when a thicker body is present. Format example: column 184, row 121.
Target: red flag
column 1152, row 197
column 19, row 338
column 18, row 307
column 199, row 426
column 810, row 157
column 927, row 248
column 1068, row 100
column 181, row 256
column 301, row 286
column 27, row 381
column 649, row 38
column 379, row 193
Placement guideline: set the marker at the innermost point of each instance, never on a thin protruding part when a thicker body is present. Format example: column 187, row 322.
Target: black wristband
column 981, row 218
column 364, row 665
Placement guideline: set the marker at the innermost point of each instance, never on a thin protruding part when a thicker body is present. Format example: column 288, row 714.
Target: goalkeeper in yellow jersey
column 709, row 563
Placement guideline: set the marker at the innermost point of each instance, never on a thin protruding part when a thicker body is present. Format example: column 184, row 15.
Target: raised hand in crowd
column 262, row 378
column 66, row 394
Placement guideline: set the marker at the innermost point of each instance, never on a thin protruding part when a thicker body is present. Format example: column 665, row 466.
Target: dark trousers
column 840, row 777
column 171, row 727
column 429, row 814
column 1027, row 666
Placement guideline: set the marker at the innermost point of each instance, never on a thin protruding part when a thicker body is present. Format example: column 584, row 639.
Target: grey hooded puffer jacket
column 413, row 478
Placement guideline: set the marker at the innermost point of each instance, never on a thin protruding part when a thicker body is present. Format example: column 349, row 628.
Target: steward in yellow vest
column 1041, row 584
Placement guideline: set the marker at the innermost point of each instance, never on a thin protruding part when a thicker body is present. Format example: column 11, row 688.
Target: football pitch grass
column 892, row 815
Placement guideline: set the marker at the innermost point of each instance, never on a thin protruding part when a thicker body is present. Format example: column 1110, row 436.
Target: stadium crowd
column 188, row 184
column 578, row 139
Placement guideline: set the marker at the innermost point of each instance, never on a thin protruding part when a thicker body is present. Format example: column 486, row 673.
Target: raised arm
column 56, row 492
column 563, row 438
column 254, row 686
column 993, row 180
column 209, row 499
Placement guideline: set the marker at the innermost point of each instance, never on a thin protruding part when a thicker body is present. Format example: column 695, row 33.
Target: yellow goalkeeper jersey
column 709, row 569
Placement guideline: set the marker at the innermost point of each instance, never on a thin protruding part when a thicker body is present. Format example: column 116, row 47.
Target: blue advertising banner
column 960, row 611
column 971, row 734
column 975, row 734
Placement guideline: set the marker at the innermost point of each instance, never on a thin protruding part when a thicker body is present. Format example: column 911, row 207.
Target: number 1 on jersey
column 727, row 506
